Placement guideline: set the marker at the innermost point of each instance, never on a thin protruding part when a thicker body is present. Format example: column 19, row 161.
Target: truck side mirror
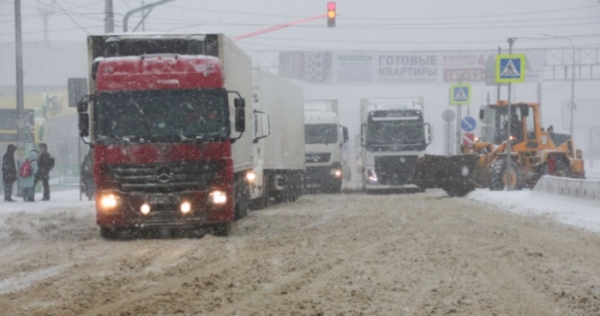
column 84, row 125
column 346, row 137
column 239, row 103
column 82, row 104
column 363, row 132
column 481, row 114
column 428, row 132
column 240, row 119
column 262, row 126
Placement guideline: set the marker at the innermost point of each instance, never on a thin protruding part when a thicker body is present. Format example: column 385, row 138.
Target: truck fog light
column 218, row 197
column 108, row 201
column 251, row 176
column 336, row 173
column 185, row 207
column 145, row 209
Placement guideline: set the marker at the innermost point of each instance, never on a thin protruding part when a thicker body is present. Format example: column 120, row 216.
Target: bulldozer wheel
column 498, row 178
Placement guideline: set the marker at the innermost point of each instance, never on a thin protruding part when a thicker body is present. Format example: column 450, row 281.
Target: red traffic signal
column 331, row 14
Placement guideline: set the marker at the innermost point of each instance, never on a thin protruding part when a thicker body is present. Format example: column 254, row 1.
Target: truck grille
column 170, row 177
column 318, row 157
column 395, row 170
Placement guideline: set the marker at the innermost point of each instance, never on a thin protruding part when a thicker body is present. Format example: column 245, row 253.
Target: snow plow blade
column 453, row 174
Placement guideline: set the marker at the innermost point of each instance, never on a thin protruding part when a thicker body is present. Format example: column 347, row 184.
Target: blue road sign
column 510, row 68
column 460, row 94
column 468, row 124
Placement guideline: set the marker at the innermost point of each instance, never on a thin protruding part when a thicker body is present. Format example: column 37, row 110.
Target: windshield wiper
column 146, row 121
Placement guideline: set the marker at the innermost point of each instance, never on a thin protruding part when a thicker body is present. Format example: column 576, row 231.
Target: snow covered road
column 352, row 254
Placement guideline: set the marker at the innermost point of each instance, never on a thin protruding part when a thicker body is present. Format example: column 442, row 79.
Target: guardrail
column 576, row 188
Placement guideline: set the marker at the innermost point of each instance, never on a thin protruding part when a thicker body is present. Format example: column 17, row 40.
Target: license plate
column 160, row 199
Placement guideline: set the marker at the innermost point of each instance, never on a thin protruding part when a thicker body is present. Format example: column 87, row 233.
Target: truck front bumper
column 153, row 210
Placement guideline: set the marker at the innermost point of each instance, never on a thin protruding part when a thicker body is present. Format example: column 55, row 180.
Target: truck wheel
column 110, row 233
column 336, row 187
column 498, row 178
column 222, row 230
column 458, row 191
column 241, row 203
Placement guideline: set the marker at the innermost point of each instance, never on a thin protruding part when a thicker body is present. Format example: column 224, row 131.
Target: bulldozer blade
column 453, row 174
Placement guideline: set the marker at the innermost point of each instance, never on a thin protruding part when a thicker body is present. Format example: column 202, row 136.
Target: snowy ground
column 350, row 254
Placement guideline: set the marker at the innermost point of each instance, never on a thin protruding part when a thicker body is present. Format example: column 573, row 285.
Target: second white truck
column 393, row 137
column 325, row 140
column 278, row 149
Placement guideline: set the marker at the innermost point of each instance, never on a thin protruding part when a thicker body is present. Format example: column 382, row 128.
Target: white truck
column 278, row 149
column 393, row 137
column 325, row 139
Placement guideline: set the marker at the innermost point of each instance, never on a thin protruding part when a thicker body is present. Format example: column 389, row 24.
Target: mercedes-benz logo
column 163, row 174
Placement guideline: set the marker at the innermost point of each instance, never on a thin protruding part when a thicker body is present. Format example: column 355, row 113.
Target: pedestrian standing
column 27, row 173
column 9, row 172
column 45, row 164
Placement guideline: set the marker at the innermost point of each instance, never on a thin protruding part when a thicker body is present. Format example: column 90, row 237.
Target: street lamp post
column 572, row 102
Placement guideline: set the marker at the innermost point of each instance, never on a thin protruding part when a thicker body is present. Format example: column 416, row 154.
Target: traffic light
column 331, row 14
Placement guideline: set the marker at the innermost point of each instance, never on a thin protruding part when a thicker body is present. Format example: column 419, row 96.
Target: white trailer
column 393, row 137
column 325, row 138
column 278, row 149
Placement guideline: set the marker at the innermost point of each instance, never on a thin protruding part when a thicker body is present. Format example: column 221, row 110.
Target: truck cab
column 325, row 139
column 393, row 137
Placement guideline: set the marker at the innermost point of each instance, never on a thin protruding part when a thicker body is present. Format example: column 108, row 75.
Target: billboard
column 402, row 67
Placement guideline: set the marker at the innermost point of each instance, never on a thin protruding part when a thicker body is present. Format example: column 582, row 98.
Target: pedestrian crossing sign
column 510, row 68
column 460, row 94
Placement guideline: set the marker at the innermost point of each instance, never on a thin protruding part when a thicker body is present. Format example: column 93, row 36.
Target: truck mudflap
column 454, row 174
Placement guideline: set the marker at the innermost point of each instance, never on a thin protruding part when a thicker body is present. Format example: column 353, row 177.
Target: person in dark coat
column 45, row 164
column 9, row 172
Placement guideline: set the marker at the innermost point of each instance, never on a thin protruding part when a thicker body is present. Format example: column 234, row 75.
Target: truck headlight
column 185, row 207
column 371, row 175
column 218, row 197
column 145, row 209
column 109, row 201
column 251, row 176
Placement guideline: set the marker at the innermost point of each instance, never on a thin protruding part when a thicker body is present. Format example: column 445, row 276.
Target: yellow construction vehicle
column 535, row 151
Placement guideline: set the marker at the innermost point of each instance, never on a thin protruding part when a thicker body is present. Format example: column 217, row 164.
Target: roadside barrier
column 576, row 188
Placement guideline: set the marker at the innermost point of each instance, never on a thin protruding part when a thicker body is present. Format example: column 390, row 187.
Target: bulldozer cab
column 496, row 119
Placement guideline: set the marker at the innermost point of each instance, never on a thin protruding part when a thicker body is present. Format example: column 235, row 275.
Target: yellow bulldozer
column 535, row 151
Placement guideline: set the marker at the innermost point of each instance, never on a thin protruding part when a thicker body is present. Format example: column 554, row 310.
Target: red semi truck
column 166, row 119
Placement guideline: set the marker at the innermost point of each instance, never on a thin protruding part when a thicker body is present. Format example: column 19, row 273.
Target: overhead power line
column 60, row 6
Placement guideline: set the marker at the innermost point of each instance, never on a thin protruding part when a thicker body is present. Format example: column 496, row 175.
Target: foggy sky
column 361, row 25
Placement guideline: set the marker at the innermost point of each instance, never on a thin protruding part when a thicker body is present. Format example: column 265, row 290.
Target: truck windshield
column 162, row 115
column 320, row 133
column 396, row 132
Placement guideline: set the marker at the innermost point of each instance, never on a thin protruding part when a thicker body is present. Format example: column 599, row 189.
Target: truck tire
column 335, row 187
column 498, row 174
column 458, row 190
column 241, row 202
column 109, row 233
column 222, row 230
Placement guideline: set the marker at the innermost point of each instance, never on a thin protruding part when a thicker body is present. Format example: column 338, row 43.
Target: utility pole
column 109, row 17
column 499, row 85
column 458, row 122
column 511, row 41
column 19, row 60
